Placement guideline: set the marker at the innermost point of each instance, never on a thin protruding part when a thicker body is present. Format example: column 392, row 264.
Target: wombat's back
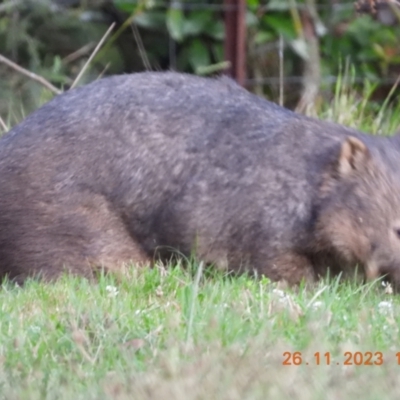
column 139, row 139
column 89, row 177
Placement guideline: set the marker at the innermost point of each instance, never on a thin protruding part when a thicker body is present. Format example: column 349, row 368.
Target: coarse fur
column 137, row 167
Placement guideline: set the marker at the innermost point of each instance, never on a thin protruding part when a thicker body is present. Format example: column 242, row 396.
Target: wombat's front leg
column 292, row 268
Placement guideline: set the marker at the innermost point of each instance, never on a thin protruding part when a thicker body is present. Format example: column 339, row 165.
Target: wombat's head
column 359, row 215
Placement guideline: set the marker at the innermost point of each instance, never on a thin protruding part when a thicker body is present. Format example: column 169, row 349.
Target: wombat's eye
column 397, row 232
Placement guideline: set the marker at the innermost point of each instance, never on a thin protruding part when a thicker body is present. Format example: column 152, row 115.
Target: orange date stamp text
column 367, row 358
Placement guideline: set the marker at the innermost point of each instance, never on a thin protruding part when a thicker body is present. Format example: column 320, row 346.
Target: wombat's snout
column 388, row 272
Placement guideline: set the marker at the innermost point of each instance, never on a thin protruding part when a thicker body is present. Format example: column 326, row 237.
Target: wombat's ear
column 353, row 156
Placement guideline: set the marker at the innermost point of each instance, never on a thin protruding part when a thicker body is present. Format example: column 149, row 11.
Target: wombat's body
column 136, row 166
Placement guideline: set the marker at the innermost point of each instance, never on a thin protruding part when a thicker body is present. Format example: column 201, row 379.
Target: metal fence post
column 235, row 39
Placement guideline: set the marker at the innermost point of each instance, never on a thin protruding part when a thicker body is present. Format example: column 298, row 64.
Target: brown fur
column 144, row 166
column 291, row 268
column 368, row 236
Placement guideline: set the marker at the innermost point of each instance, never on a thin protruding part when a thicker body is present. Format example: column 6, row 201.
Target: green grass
column 168, row 334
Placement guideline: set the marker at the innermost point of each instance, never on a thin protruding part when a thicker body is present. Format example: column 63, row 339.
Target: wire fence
column 331, row 14
column 266, row 60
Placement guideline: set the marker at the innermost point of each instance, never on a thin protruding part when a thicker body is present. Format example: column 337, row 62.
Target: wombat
column 143, row 166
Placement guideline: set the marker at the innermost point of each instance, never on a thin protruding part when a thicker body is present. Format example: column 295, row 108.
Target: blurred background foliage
column 54, row 39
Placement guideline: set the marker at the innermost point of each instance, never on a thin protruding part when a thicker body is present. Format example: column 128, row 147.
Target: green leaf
column 218, row 52
column 151, row 20
column 196, row 23
column 126, row 6
column 253, row 3
column 198, row 55
column 215, row 29
column 175, row 23
column 281, row 25
column 263, row 37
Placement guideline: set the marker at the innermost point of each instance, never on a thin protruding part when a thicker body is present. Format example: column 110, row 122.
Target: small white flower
column 385, row 307
column 388, row 287
column 112, row 291
column 35, row 329
column 279, row 293
column 316, row 305
column 159, row 292
column 281, row 296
